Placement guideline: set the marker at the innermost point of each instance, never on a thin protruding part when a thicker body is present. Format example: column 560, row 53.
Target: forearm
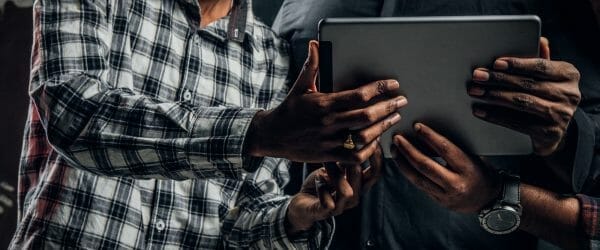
column 115, row 132
column 551, row 217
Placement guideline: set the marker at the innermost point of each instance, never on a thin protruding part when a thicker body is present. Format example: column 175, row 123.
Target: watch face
column 502, row 221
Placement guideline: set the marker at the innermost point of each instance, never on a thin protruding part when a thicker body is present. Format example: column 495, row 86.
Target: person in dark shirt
column 397, row 214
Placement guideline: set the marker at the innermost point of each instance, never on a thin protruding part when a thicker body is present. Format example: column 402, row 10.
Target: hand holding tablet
column 433, row 58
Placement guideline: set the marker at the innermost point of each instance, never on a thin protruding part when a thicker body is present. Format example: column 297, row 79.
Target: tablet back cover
column 433, row 58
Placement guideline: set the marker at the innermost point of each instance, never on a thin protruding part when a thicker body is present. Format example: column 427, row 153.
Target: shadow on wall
column 15, row 50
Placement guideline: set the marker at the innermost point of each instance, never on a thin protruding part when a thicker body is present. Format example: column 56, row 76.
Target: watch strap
column 511, row 194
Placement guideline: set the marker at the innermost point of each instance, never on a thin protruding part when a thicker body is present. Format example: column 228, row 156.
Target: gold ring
column 349, row 143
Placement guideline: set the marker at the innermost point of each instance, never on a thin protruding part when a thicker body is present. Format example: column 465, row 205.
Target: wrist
column 296, row 222
column 253, row 144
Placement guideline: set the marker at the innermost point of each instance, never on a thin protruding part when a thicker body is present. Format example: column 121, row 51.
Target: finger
column 360, row 118
column 326, row 201
column 355, row 157
column 418, row 179
column 372, row 174
column 453, row 155
column 307, row 78
column 540, row 130
column 544, row 48
column 371, row 133
column 537, row 67
column 354, row 178
column 429, row 168
column 489, row 79
column 527, row 103
column 359, row 97
column 343, row 194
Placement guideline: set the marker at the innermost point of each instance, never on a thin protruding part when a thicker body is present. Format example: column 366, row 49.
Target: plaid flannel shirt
column 590, row 219
column 136, row 126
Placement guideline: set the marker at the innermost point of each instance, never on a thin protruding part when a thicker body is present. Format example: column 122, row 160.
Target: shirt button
column 187, row 95
column 370, row 243
column 160, row 225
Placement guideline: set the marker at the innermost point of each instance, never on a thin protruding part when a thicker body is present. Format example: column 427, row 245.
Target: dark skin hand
column 329, row 193
column 309, row 126
column 467, row 185
column 535, row 96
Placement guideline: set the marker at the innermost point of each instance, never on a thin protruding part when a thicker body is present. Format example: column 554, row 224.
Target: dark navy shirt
column 396, row 215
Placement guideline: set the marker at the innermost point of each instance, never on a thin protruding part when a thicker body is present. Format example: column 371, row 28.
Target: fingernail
column 378, row 138
column 479, row 113
column 418, row 127
column 401, row 102
column 476, row 91
column 501, row 64
column 395, row 118
column 481, row 75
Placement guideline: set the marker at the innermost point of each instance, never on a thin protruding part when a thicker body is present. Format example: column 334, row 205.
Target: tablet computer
column 433, row 59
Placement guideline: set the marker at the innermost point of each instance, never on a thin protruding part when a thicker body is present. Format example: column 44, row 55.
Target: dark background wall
column 15, row 50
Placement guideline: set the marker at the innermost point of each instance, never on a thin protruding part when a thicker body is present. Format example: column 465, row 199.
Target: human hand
column 329, row 193
column 463, row 185
column 535, row 96
column 309, row 126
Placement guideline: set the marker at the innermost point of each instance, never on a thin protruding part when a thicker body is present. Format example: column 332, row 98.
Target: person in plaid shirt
column 168, row 124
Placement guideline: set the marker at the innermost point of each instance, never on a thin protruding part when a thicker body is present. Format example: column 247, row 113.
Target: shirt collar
column 236, row 26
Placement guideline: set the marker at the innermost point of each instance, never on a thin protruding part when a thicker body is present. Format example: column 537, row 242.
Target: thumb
column 308, row 76
column 544, row 48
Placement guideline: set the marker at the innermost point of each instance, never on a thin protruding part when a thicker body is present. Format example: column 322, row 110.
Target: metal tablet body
column 433, row 58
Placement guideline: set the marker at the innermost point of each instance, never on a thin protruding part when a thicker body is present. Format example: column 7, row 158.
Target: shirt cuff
column 584, row 149
column 318, row 237
column 217, row 140
column 589, row 220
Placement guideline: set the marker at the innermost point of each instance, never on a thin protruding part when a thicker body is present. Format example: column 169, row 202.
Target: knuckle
column 527, row 83
column 381, row 87
column 552, row 133
column 369, row 115
column 574, row 98
column 565, row 115
column 494, row 94
column 363, row 136
column 322, row 104
column 523, row 101
column 445, row 147
column 460, row 188
column 390, row 107
column 541, row 65
column 361, row 95
column 570, row 71
column 498, row 76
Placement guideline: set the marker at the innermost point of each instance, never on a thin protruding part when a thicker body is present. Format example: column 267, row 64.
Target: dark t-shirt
column 396, row 215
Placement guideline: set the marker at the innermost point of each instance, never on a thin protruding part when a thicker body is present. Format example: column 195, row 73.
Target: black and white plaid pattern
column 136, row 127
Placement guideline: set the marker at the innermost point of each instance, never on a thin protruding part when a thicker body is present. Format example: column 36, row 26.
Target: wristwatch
column 504, row 216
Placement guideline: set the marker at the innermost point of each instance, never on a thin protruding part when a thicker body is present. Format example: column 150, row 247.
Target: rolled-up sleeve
column 590, row 219
column 585, row 171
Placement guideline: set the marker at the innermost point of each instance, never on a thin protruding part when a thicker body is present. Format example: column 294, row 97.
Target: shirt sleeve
column 590, row 219
column 109, row 130
column 258, row 219
column 581, row 150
